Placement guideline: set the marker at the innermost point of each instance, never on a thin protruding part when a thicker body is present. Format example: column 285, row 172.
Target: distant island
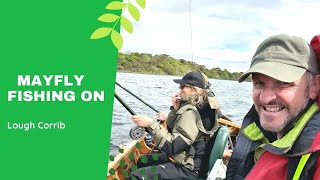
column 164, row 64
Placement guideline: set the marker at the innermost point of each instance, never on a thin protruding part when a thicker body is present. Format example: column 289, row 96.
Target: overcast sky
column 225, row 33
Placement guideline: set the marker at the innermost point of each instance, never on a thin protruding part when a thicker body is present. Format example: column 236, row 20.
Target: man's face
column 277, row 102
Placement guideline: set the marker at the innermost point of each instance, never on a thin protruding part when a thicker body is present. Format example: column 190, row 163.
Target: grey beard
column 292, row 115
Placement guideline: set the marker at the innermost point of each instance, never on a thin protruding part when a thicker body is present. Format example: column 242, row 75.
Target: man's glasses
column 184, row 85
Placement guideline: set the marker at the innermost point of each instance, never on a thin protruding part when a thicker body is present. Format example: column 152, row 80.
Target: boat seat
column 220, row 142
column 218, row 147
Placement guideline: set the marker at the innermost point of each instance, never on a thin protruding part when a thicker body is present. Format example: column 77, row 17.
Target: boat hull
column 120, row 167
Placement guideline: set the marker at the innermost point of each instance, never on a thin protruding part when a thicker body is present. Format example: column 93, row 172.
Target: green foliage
column 126, row 24
column 134, row 12
column 113, row 19
column 142, row 3
column 165, row 65
column 116, row 39
column 116, row 5
column 108, row 18
column 100, row 33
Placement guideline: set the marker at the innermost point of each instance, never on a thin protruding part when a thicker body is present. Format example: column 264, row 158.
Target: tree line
column 164, row 64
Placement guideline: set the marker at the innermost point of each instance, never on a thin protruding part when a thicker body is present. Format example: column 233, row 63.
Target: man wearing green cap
column 280, row 135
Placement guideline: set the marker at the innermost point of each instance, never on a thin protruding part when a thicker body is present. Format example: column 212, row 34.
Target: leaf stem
column 121, row 14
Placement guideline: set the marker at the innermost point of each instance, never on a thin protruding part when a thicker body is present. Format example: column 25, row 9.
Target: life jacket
column 256, row 145
column 209, row 117
column 315, row 44
column 196, row 156
column 209, row 114
column 190, row 157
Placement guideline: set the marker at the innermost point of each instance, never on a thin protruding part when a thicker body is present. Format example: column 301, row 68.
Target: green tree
column 164, row 64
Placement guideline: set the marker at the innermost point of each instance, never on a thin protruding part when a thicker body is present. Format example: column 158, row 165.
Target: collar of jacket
column 187, row 106
column 184, row 106
column 283, row 145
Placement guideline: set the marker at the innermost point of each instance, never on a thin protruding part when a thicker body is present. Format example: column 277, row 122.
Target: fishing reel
column 137, row 132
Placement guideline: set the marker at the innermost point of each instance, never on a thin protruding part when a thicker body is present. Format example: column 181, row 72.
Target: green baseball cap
column 282, row 57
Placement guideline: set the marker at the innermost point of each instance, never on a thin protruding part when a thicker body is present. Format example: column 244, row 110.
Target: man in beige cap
column 280, row 135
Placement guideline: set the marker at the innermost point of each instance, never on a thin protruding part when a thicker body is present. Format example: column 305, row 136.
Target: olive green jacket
column 185, row 128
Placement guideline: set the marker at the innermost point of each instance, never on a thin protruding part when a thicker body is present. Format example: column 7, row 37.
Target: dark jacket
column 260, row 155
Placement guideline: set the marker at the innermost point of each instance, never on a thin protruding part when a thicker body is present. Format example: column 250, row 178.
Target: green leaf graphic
column 126, row 24
column 142, row 3
column 108, row 18
column 134, row 12
column 116, row 39
column 116, row 5
column 100, row 33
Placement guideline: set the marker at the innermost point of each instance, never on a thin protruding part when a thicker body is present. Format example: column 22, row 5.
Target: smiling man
column 280, row 136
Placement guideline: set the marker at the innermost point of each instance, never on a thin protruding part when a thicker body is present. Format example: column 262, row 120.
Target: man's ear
column 315, row 87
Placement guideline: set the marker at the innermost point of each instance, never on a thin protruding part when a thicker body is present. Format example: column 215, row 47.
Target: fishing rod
column 191, row 38
column 124, row 104
column 136, row 132
column 138, row 98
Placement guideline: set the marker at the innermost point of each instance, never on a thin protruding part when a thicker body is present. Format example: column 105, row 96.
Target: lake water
column 234, row 99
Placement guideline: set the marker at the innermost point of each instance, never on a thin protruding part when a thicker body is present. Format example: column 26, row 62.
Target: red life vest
column 315, row 44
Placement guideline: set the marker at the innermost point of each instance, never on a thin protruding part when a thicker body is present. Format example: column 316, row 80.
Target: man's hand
column 162, row 116
column 141, row 120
